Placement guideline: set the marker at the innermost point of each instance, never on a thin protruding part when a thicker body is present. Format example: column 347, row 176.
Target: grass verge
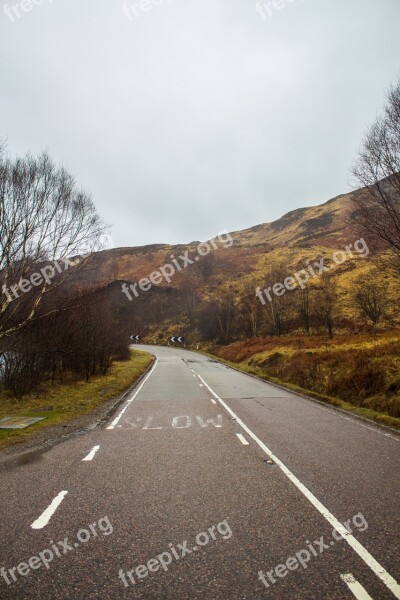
column 62, row 403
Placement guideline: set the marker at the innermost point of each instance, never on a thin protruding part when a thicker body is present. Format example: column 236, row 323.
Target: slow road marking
column 179, row 422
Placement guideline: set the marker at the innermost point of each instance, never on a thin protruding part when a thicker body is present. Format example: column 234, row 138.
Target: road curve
column 206, row 483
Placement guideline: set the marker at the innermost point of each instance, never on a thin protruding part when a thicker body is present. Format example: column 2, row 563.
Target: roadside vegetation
column 354, row 373
column 54, row 319
column 64, row 346
column 61, row 403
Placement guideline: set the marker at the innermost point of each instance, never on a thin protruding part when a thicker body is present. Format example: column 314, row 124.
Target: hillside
column 190, row 300
column 324, row 227
column 217, row 310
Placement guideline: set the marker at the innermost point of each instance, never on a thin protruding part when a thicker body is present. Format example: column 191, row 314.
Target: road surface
column 206, row 483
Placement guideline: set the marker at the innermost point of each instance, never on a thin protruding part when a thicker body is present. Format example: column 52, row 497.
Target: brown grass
column 360, row 371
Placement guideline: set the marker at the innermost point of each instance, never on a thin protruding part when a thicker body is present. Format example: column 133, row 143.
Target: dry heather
column 362, row 372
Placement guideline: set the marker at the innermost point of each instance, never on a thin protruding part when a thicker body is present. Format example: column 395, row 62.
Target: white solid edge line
column 362, row 552
column 242, row 439
column 389, row 435
column 113, row 424
column 49, row 512
column 91, row 454
column 321, row 405
column 356, row 588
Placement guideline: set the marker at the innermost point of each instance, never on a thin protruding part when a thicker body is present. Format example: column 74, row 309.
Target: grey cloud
column 198, row 115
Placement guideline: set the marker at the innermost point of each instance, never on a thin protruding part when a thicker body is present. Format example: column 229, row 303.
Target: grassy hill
column 212, row 302
column 301, row 236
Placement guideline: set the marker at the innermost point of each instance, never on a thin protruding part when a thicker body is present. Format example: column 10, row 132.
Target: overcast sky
column 197, row 115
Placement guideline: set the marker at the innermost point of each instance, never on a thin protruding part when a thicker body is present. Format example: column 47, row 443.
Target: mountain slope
column 257, row 257
column 324, row 226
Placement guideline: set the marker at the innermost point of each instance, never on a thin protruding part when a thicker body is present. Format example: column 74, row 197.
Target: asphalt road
column 206, row 484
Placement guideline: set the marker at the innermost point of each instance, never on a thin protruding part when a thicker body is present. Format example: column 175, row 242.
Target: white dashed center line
column 356, row 588
column 91, row 454
column 49, row 512
column 362, row 552
column 242, row 439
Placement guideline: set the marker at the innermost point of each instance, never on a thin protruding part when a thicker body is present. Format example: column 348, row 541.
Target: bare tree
column 371, row 299
column 304, row 303
column 225, row 313
column 279, row 307
column 377, row 205
column 326, row 303
column 251, row 311
column 189, row 297
column 44, row 220
column 215, row 319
